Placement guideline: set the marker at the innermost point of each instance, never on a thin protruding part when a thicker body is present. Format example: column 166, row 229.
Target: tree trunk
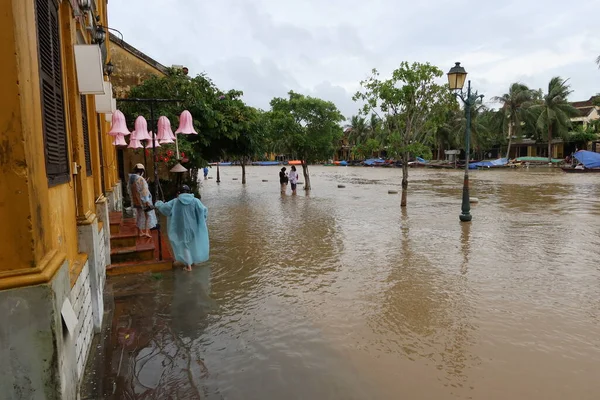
column 404, row 179
column 550, row 143
column 306, row 176
column 509, row 140
column 243, row 162
column 218, row 174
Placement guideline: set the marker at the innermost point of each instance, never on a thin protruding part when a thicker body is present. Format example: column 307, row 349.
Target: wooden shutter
column 53, row 113
column 86, row 136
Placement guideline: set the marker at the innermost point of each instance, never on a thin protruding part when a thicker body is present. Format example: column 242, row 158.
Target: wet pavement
column 343, row 295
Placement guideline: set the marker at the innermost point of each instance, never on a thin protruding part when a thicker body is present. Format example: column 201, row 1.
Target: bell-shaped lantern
column 166, row 141
column 179, row 168
column 186, row 125
column 118, row 124
column 149, row 143
column 141, row 129
column 134, row 143
column 119, row 140
column 164, row 129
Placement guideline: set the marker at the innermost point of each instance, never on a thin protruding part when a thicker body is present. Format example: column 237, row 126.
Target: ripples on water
column 341, row 295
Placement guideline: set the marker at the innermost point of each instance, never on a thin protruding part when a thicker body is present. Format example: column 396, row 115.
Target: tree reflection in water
column 425, row 314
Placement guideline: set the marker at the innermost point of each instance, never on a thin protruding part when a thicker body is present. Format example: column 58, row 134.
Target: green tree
column 251, row 142
column 411, row 104
column 514, row 110
column 307, row 127
column 367, row 148
column 554, row 111
column 359, row 130
column 200, row 96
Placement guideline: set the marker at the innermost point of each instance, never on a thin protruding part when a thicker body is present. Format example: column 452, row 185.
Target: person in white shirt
column 293, row 177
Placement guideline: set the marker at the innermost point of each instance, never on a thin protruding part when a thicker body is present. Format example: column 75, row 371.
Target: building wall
column 54, row 241
column 132, row 67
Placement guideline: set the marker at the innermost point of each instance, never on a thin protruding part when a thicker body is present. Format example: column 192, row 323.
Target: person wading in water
column 283, row 180
column 293, row 179
column 141, row 201
column 187, row 229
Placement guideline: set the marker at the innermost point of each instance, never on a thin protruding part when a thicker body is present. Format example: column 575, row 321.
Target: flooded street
column 343, row 295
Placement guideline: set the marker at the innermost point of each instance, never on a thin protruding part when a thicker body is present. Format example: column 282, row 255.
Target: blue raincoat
column 187, row 228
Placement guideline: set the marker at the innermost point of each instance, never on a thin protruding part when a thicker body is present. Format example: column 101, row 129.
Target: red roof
column 585, row 103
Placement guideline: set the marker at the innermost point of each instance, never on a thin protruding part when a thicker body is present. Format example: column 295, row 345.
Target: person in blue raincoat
column 186, row 224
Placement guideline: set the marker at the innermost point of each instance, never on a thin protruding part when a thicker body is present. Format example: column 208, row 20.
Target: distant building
column 588, row 110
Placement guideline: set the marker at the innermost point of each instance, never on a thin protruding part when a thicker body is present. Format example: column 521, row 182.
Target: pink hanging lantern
column 149, row 143
column 141, row 129
column 134, row 144
column 119, row 140
column 186, row 125
column 166, row 141
column 118, row 125
column 164, row 129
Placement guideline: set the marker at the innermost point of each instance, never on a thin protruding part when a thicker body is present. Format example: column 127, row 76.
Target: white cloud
column 324, row 48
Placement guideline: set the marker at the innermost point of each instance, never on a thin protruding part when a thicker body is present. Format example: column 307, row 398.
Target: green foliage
column 553, row 111
column 515, row 108
column 366, row 148
column 305, row 127
column 251, row 141
column 214, row 119
column 582, row 135
column 410, row 103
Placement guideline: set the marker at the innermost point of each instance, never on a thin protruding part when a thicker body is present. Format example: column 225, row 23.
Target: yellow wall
column 131, row 68
column 39, row 224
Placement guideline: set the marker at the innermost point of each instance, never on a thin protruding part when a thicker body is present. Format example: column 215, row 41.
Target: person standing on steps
column 293, row 177
column 283, row 180
column 186, row 227
column 141, row 201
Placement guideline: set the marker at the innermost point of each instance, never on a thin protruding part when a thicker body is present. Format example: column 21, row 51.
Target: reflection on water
column 343, row 295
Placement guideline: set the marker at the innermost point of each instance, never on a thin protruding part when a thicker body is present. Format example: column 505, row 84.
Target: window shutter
column 53, row 113
column 86, row 136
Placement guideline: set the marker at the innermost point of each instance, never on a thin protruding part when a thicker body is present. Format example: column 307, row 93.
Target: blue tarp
column 589, row 159
column 374, row 161
column 343, row 163
column 422, row 160
column 488, row 164
column 264, row 163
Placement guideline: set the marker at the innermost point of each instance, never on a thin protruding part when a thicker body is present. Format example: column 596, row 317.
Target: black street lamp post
column 456, row 80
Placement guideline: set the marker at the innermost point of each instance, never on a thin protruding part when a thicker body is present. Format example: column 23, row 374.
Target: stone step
column 126, row 237
column 116, row 218
column 140, row 252
column 120, row 240
column 123, row 268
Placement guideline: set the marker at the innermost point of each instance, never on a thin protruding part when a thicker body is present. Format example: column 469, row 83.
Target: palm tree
column 515, row 105
column 554, row 111
column 359, row 130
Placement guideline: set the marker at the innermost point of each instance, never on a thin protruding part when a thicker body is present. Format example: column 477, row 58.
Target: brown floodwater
column 340, row 294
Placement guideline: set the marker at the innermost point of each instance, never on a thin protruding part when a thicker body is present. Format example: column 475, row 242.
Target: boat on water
column 371, row 162
column 294, row 162
column 590, row 162
column 538, row 160
column 220, row 164
column 419, row 162
column 499, row 163
column 266, row 163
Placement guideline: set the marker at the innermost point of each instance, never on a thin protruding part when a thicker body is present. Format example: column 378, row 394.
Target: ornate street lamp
column 456, row 81
column 109, row 68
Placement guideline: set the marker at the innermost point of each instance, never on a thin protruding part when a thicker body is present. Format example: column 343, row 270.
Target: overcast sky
column 325, row 47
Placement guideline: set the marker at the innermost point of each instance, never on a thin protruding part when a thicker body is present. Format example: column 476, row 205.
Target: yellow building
column 58, row 183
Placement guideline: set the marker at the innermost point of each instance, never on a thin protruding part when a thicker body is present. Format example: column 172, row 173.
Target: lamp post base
column 465, row 217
